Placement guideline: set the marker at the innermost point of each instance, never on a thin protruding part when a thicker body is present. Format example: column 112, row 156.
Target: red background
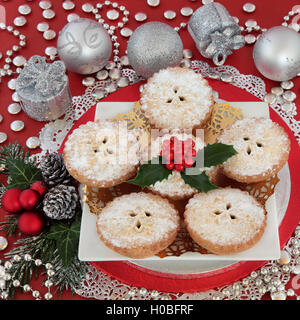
column 268, row 13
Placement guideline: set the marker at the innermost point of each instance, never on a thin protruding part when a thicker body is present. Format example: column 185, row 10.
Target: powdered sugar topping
column 137, row 219
column 176, row 98
column 225, row 216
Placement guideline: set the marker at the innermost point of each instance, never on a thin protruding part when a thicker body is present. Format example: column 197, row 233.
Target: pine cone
column 54, row 170
column 60, row 202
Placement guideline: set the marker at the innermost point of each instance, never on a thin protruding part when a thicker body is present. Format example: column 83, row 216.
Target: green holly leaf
column 217, row 153
column 22, row 174
column 149, row 173
column 199, row 181
column 66, row 238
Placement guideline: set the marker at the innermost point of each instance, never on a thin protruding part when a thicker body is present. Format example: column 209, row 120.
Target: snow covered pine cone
column 60, row 202
column 54, row 171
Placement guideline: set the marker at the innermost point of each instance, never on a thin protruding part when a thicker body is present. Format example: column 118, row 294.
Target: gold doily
column 223, row 115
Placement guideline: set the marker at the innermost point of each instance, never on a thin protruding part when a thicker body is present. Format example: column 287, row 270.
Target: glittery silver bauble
column 277, row 53
column 84, row 46
column 154, row 46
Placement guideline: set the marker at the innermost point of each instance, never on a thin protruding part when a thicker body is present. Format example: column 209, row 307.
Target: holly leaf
column 66, row 238
column 199, row 181
column 22, row 174
column 149, row 173
column 217, row 153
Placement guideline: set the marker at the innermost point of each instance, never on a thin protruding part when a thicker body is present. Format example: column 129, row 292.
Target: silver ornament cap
column 276, row 53
column 84, row 46
column 154, row 46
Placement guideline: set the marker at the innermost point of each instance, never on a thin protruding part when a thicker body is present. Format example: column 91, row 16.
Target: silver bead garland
column 7, row 280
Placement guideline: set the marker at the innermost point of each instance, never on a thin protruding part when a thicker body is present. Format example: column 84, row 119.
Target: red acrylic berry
column 31, row 223
column 40, row 187
column 10, row 200
column 29, row 199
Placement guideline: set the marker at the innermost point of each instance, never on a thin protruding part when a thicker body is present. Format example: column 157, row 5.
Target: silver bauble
column 154, row 46
column 277, row 53
column 84, row 46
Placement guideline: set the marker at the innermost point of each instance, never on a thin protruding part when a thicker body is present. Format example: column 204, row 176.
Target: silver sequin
column 126, row 32
column 33, row 142
column 17, row 125
column 102, row 75
column 68, row 5
column 186, row 11
column 24, row 9
column 98, row 93
column 14, row 108
column 270, row 98
column 12, row 84
column 187, row 53
column 250, row 38
column 15, row 97
column 20, row 21
column 278, row 91
column 140, row 16
column 249, row 7
column 169, row 14
column 3, row 137
column 287, row 85
column 45, row 5
column 49, row 34
column 48, row 14
column 123, row 82
column 289, row 96
column 153, row 3
column 19, row 61
column 3, row 243
column 115, row 74
column 72, row 17
column 87, row 7
column 51, row 51
column 124, row 61
column 88, row 81
column 42, row 26
column 112, row 14
column 250, row 23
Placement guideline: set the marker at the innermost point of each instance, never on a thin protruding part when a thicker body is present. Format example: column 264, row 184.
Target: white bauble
column 276, row 53
column 84, row 46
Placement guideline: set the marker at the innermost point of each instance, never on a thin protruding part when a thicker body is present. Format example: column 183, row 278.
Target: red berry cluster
column 16, row 200
column 178, row 154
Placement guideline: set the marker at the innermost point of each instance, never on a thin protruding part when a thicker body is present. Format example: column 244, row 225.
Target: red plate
column 141, row 277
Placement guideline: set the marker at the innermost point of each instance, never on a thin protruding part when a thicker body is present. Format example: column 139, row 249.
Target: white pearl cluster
column 7, row 271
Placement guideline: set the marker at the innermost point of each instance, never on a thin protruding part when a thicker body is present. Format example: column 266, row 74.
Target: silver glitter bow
column 215, row 32
column 40, row 78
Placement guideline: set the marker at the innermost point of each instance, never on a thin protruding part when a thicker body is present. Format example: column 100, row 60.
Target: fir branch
column 13, row 152
column 10, row 225
column 41, row 247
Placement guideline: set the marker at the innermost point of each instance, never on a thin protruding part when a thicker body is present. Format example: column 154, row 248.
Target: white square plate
column 91, row 248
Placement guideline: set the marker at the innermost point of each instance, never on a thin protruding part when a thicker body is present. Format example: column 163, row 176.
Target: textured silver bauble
column 84, row 46
column 154, row 46
column 277, row 53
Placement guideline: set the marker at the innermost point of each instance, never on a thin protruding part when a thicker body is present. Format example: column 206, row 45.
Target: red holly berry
column 10, row 200
column 194, row 153
column 31, row 223
column 188, row 162
column 29, row 199
column 40, row 187
column 179, row 167
column 170, row 165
